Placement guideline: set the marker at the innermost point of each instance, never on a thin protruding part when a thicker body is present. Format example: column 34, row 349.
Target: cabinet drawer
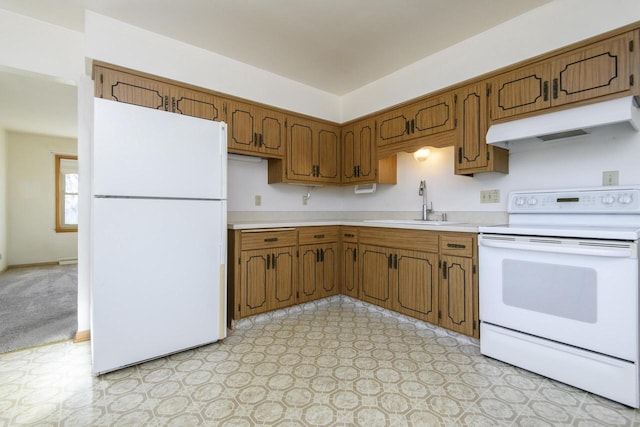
column 418, row 240
column 268, row 238
column 311, row 235
column 349, row 234
column 457, row 245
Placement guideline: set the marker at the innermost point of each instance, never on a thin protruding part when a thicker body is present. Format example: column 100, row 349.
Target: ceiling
column 333, row 45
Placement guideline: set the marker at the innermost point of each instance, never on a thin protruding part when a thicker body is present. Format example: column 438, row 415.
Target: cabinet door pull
column 358, row 171
column 261, row 142
column 273, row 261
column 271, row 239
column 317, row 255
column 268, row 261
column 407, row 127
column 456, row 246
column 166, row 103
column 555, row 88
column 545, row 91
column 444, row 269
column 395, row 261
column 355, row 255
column 459, row 154
column 349, row 235
column 255, row 138
column 390, row 262
column 173, row 104
column 317, row 170
column 355, row 173
column 318, row 236
column 413, row 125
column 321, row 255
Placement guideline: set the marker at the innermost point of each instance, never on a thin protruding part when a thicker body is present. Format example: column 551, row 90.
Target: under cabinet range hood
column 566, row 123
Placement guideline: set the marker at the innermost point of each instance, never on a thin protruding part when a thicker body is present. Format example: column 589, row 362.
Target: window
column 66, row 193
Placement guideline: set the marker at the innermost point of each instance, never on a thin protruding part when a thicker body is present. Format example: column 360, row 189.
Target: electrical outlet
column 610, row 178
column 258, row 200
column 304, row 200
column 489, row 196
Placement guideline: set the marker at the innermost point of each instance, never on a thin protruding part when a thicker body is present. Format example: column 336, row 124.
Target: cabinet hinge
column 238, row 260
column 630, row 45
column 488, row 156
column 488, row 90
column 297, row 254
column 631, row 80
column 455, row 122
column 238, row 308
column 224, row 108
column 439, row 264
column 473, row 270
column 455, row 99
column 439, row 314
column 297, row 294
column 473, row 325
column 101, row 78
column 286, row 124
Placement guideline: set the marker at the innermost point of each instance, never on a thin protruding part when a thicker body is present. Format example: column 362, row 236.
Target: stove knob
column 532, row 201
column 520, row 201
column 608, row 199
column 624, row 199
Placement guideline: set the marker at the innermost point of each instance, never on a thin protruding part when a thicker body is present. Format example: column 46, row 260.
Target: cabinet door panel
column 328, row 261
column 196, row 104
column 521, row 91
column 349, row 265
column 309, row 283
column 254, row 279
column 124, row 87
column 392, row 127
column 417, row 284
column 600, row 69
column 271, row 132
column 471, row 145
column 358, row 152
column 283, row 271
column 327, row 155
column 375, row 285
column 456, row 303
column 431, row 116
column 241, row 133
column 300, row 155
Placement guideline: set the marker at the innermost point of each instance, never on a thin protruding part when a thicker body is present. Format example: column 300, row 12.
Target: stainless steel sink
column 412, row 221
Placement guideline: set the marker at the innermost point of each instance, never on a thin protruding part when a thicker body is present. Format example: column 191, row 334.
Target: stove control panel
column 586, row 200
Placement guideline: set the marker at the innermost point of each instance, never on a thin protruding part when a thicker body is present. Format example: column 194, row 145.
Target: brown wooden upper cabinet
column 359, row 152
column 472, row 154
column 313, row 154
column 600, row 69
column 255, row 130
column 422, row 118
column 146, row 92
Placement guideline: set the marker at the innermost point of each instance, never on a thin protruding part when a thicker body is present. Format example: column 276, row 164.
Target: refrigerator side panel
column 140, row 151
column 157, row 287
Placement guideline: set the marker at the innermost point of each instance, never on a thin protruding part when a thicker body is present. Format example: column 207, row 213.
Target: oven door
column 579, row 292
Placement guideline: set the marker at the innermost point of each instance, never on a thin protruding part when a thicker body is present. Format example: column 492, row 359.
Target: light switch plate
column 258, row 200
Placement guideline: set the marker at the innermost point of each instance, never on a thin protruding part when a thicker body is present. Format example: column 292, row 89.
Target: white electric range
column 559, row 288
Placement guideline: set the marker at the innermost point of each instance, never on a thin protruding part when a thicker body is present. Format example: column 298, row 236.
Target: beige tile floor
column 337, row 362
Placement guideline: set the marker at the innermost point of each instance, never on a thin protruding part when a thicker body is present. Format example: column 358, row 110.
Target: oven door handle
column 611, row 252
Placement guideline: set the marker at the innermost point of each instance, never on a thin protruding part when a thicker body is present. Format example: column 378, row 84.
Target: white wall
column 578, row 162
column 3, row 199
column 551, row 26
column 32, row 237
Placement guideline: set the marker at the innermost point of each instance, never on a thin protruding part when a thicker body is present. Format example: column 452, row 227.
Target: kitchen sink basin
column 412, row 221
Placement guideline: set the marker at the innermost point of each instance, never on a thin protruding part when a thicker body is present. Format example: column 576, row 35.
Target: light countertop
column 465, row 227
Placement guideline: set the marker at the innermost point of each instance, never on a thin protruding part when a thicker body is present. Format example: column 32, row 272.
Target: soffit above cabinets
column 333, row 45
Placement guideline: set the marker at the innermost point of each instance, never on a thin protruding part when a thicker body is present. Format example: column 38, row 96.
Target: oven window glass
column 559, row 290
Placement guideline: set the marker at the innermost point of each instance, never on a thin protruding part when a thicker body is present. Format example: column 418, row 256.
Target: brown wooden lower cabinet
column 428, row 275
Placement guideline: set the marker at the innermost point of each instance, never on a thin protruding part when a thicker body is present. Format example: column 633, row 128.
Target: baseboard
column 82, row 336
column 35, row 264
column 3, row 270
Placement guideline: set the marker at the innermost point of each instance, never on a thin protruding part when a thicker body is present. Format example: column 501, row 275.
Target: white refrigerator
column 158, row 240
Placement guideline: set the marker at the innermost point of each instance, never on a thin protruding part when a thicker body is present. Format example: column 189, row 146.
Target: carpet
column 38, row 305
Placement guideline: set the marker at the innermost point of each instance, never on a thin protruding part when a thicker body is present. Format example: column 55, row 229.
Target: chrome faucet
column 422, row 191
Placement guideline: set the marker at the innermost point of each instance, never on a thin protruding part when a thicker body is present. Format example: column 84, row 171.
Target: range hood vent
column 566, row 123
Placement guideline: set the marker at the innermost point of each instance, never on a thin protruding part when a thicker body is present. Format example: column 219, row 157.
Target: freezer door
column 158, row 279
column 140, row 151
